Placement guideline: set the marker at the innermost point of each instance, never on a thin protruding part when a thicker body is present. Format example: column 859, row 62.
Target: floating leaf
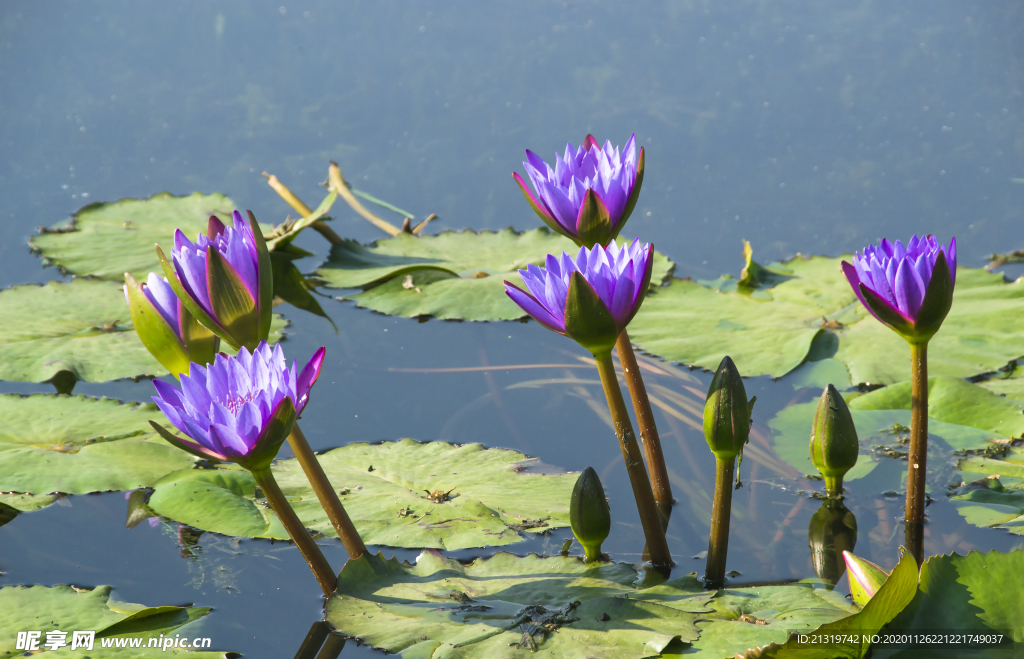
column 961, row 414
column 26, row 502
column 81, row 327
column 751, row 617
column 75, row 444
column 440, row 608
column 1010, row 465
column 394, row 492
column 988, row 503
column 108, row 239
column 455, row 275
column 977, row 593
column 892, row 597
column 70, row 609
column 807, row 304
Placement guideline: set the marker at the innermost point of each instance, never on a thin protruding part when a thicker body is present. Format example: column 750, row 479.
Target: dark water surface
column 801, row 126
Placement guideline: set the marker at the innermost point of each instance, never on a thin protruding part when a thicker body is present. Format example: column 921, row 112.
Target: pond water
column 799, row 126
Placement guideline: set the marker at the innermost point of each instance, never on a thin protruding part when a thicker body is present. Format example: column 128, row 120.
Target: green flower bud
column 834, row 445
column 727, row 412
column 833, row 530
column 864, row 576
column 589, row 516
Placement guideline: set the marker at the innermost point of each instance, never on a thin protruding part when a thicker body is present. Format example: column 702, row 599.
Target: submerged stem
column 918, row 456
column 328, row 497
column 645, row 419
column 649, row 518
column 325, row 576
column 718, row 545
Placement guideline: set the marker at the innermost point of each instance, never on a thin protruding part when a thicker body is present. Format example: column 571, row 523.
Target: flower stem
column 649, row 519
column 325, row 576
column 645, row 420
column 326, row 494
column 918, row 457
column 718, row 545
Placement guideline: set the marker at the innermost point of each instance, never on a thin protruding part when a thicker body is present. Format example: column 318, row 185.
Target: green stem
column 918, row 457
column 328, row 497
column 592, row 552
column 718, row 545
column 645, row 420
column 834, row 486
column 325, row 576
column 649, row 519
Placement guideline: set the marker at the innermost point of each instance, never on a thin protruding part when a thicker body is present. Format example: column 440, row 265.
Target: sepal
column 587, row 320
column 834, row 445
column 194, row 448
column 727, row 412
column 276, row 430
column 589, row 516
column 593, row 223
column 541, row 212
column 265, row 303
column 864, row 576
column 231, row 302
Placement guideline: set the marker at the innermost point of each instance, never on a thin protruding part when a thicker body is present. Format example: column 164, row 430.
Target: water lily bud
column 833, row 530
column 864, row 576
column 727, row 412
column 166, row 328
column 589, row 516
column 834, row 444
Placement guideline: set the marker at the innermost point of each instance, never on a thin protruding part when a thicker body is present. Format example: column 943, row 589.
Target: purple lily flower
column 238, row 409
column 590, row 298
column 910, row 288
column 224, row 279
column 166, row 328
column 591, row 191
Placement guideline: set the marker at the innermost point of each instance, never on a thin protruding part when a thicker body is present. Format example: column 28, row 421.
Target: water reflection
column 832, row 531
column 320, row 643
column 7, row 513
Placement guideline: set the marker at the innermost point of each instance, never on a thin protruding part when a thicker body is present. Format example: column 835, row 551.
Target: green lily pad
column 1010, row 387
column 76, row 445
column 892, row 597
column 1010, row 465
column 988, row 503
column 807, row 305
column 441, row 608
column 752, row 617
column 82, row 327
column 977, row 593
column 69, row 609
column 961, row 414
column 108, row 239
column 386, row 490
column 26, row 503
column 452, row 275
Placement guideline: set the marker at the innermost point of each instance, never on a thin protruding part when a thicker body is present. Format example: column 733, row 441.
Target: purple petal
column 908, row 289
column 307, row 378
column 534, row 308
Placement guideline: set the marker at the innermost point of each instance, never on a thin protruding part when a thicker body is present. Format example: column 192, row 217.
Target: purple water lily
column 590, row 192
column 224, row 279
column 894, row 282
column 162, row 297
column 614, row 282
column 238, row 409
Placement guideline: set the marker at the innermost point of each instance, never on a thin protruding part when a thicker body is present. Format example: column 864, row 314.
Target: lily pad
column 82, row 327
column 977, row 593
column 751, row 617
column 76, row 445
column 988, row 503
column 770, row 328
column 439, row 608
column 452, row 275
column 387, row 489
column 961, row 414
column 892, row 597
column 108, row 239
column 1011, row 465
column 69, row 609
